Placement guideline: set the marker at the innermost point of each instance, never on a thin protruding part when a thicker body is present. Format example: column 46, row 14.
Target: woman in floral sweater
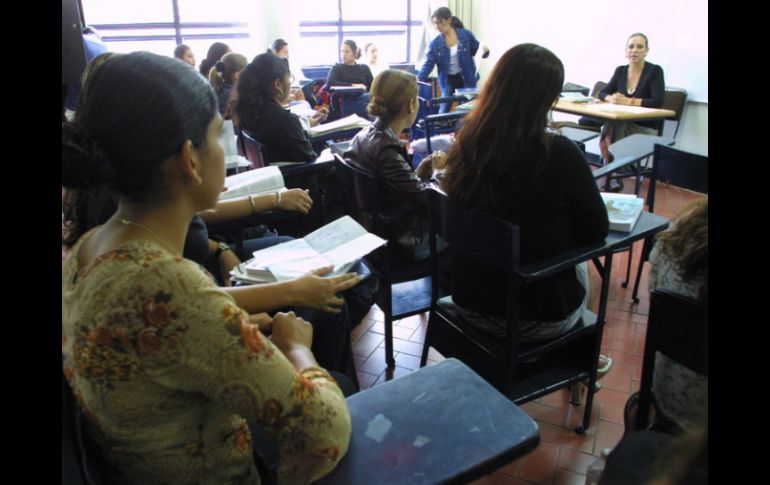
column 168, row 370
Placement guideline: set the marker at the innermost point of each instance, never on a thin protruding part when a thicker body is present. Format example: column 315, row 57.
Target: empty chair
column 252, row 150
column 586, row 127
column 523, row 371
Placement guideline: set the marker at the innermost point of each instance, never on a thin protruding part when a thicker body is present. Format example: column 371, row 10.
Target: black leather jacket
column 375, row 150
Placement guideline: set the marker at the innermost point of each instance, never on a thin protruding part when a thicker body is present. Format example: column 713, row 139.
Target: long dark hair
column 445, row 14
column 353, row 47
column 255, row 87
column 136, row 111
column 215, row 53
column 504, row 137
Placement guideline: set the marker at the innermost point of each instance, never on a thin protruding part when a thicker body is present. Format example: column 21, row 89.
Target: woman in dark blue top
column 452, row 52
column 640, row 83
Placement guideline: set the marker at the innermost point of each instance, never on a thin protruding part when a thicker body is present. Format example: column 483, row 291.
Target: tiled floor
column 562, row 456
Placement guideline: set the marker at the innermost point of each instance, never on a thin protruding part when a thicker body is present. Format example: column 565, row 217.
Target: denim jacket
column 438, row 54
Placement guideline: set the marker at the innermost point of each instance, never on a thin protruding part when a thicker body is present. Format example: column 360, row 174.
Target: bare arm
column 293, row 200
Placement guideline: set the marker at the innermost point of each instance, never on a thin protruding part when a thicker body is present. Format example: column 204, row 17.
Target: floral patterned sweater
column 170, row 374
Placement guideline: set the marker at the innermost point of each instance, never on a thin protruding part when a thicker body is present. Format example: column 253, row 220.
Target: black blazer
column 651, row 88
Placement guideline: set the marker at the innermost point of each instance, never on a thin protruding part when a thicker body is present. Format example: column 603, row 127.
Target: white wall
column 590, row 39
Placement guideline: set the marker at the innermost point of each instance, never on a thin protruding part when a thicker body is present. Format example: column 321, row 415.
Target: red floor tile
column 540, row 465
column 567, row 477
column 574, row 460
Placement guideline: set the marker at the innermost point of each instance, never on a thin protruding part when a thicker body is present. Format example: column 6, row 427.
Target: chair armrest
column 614, row 166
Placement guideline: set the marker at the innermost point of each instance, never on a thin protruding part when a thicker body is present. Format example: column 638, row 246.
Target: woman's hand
column 319, row 293
column 319, row 116
column 227, row 261
column 297, row 200
column 434, row 161
column 619, row 98
column 291, row 332
column 263, row 321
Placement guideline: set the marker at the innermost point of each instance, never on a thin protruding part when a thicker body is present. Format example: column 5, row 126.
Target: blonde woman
column 378, row 150
column 224, row 75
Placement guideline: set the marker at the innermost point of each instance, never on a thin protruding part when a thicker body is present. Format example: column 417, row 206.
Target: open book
column 340, row 243
column 346, row 123
column 260, row 181
column 623, row 210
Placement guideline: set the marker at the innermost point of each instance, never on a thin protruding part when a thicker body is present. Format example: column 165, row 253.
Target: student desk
column 612, row 112
column 440, row 424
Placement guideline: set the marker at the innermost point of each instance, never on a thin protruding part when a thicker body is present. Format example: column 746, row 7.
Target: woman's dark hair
column 504, row 137
column 277, row 45
column 255, row 87
column 215, row 53
column 180, row 50
column 445, row 14
column 353, row 47
column 137, row 111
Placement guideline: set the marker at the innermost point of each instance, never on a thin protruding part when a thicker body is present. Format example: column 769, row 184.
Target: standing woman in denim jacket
column 452, row 52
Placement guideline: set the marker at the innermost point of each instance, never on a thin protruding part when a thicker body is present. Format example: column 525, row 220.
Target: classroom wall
column 590, row 40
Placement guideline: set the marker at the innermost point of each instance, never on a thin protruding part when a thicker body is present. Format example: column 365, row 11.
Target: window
column 150, row 24
column 396, row 30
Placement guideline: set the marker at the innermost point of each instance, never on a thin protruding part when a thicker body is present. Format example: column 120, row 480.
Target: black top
column 560, row 210
column 281, row 133
column 346, row 75
column 651, row 88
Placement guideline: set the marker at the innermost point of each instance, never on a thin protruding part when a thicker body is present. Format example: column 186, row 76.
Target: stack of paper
column 346, row 123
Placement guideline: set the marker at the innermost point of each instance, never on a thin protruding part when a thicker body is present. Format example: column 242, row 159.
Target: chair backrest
column 481, row 237
column 677, row 167
column 253, row 150
column 360, row 193
column 677, row 327
column 598, row 87
column 675, row 100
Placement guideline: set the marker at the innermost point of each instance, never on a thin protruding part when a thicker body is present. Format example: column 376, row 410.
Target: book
column 346, row 123
column 623, row 210
column 257, row 182
column 574, row 97
column 467, row 106
column 341, row 243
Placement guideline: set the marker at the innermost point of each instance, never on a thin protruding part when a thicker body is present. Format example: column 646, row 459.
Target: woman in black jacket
column 640, row 83
column 378, row 150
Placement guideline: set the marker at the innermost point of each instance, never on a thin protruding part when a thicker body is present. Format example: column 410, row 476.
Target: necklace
column 126, row 222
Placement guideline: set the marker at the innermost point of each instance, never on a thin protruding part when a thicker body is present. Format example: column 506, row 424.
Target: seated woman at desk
column 166, row 366
column 349, row 72
column 640, row 83
column 263, row 88
column 505, row 163
column 372, row 52
column 378, row 150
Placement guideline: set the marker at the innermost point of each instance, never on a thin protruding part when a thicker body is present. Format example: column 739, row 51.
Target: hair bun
column 84, row 164
column 220, row 66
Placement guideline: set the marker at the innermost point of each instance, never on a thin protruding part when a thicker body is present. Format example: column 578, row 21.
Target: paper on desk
column 620, row 108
